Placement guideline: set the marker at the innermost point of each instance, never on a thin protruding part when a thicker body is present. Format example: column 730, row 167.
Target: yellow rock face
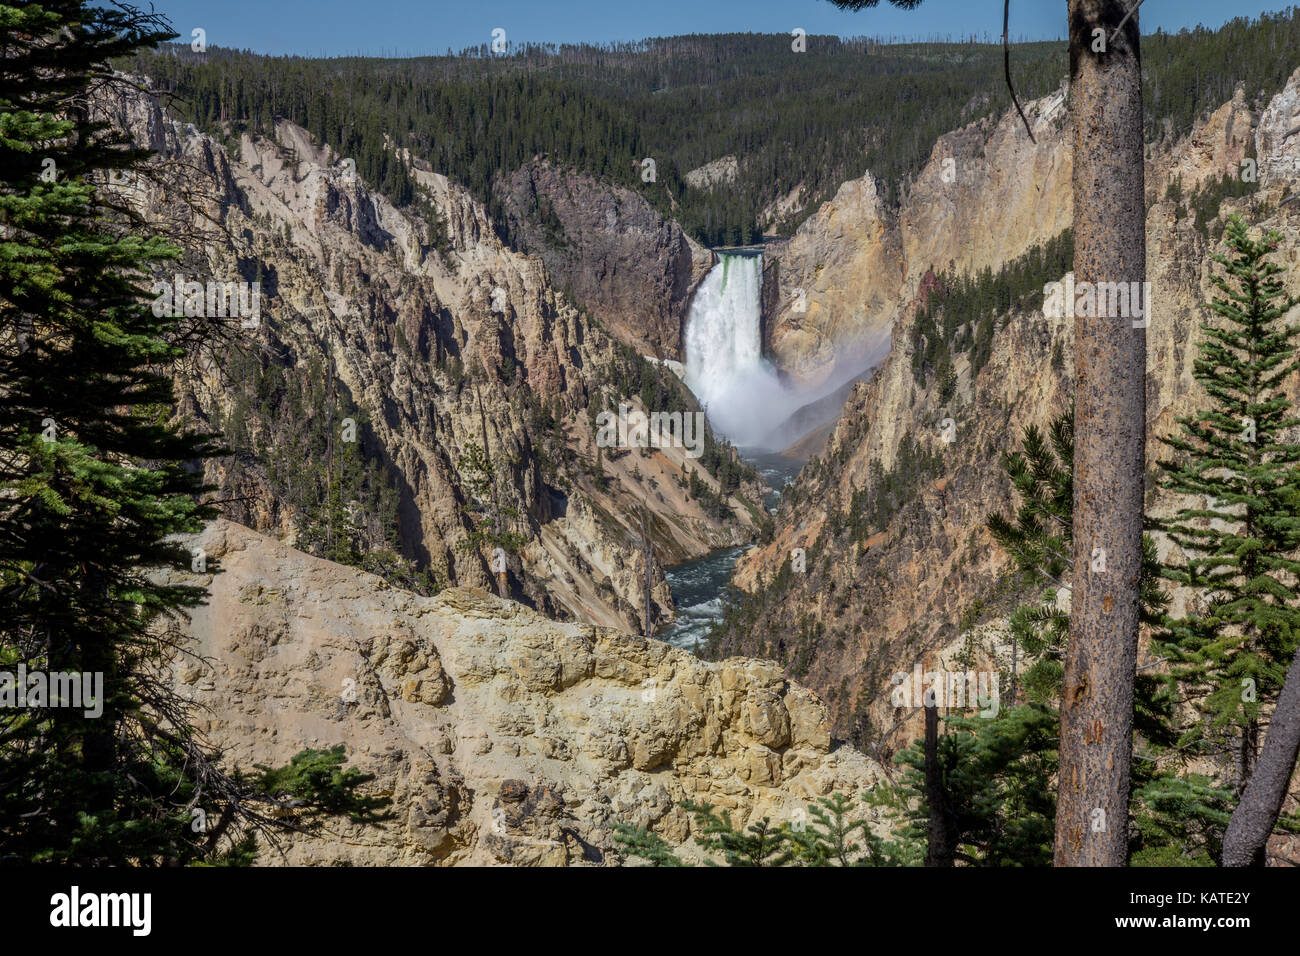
column 499, row 735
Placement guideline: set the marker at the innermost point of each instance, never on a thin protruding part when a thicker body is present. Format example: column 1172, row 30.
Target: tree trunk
column 1245, row 756
column 941, row 845
column 1109, row 450
column 1249, row 750
column 648, row 556
column 95, row 653
column 1256, row 814
column 1015, row 669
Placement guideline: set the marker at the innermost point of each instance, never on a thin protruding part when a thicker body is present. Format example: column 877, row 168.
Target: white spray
column 725, row 367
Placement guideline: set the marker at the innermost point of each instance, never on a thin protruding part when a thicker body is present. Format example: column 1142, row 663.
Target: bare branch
column 1132, row 10
column 1006, row 66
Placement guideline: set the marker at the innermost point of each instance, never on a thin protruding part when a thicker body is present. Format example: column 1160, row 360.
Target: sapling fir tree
column 1237, row 530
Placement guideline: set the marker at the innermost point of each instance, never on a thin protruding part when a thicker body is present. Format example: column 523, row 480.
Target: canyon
column 520, row 728
column 497, row 735
column 440, row 344
column 875, row 604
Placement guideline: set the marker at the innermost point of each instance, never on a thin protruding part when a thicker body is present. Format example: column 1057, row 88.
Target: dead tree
column 648, row 556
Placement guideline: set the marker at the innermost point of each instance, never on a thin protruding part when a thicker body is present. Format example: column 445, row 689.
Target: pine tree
column 651, row 847
column 490, row 517
column 1039, row 537
column 97, row 478
column 759, row 844
column 825, row 836
column 1177, row 820
column 828, row 838
column 83, row 374
column 996, row 779
column 947, row 380
column 1239, row 545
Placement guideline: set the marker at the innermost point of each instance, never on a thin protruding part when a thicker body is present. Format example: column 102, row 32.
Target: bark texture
column 1109, row 457
column 1261, row 802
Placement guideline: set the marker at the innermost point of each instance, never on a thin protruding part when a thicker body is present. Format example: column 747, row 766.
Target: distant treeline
column 794, row 119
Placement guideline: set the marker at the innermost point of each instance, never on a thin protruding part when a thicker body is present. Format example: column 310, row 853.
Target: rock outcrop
column 986, row 195
column 872, row 605
column 620, row 259
column 442, row 336
column 498, row 735
column 720, row 172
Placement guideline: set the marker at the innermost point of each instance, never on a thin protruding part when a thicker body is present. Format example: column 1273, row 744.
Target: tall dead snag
column 1109, row 429
column 648, row 557
column 1261, row 802
column 941, row 842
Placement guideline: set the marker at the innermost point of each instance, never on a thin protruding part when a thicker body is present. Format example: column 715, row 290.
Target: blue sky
column 410, row 27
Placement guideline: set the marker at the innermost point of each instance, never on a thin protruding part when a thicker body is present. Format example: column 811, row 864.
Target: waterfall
column 725, row 367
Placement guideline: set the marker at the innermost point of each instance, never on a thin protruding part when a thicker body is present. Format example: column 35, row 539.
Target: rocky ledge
column 500, row 736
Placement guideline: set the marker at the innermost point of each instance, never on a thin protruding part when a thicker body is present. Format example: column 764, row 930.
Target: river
column 745, row 399
column 699, row 586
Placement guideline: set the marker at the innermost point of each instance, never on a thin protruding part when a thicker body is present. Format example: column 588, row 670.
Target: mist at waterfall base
column 747, row 404
column 725, row 367
column 746, row 401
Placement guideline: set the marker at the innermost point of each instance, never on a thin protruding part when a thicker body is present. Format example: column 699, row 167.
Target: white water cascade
column 725, row 367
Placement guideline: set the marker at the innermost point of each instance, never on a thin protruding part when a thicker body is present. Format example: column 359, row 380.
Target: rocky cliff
column 499, row 736
column 875, row 602
column 441, row 336
column 608, row 248
column 985, row 196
